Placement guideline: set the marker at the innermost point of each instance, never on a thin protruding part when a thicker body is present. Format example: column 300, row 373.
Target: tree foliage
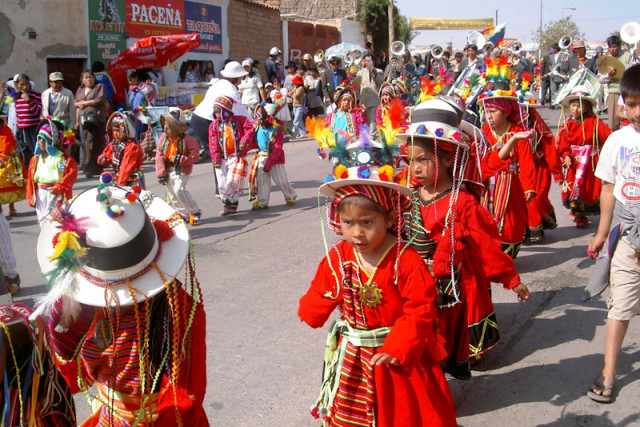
column 555, row 30
column 375, row 16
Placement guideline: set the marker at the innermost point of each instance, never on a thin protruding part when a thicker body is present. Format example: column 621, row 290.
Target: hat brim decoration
column 436, row 119
column 126, row 259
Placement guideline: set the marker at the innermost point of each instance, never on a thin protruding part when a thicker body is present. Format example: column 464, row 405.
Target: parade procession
column 453, row 237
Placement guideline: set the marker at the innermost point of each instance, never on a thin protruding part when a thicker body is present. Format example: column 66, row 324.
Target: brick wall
column 320, row 9
column 253, row 30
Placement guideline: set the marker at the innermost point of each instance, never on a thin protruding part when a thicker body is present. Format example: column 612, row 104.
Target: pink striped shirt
column 28, row 112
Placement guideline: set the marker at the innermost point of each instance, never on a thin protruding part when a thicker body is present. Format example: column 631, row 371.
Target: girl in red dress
column 507, row 166
column 580, row 140
column 456, row 237
column 381, row 363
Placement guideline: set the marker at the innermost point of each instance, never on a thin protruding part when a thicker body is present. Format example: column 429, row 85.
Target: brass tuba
column 397, row 48
column 318, row 58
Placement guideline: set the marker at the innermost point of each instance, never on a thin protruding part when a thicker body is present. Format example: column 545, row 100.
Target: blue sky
column 595, row 18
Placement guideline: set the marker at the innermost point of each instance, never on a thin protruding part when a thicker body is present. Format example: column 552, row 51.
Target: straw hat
column 581, row 93
column 176, row 122
column 120, row 248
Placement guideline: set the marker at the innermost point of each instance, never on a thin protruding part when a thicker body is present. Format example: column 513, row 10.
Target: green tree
column 555, row 30
column 375, row 16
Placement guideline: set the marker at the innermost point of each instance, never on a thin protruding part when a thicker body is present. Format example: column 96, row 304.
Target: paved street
column 264, row 366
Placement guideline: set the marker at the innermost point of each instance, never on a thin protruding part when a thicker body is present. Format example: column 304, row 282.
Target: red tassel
column 163, row 230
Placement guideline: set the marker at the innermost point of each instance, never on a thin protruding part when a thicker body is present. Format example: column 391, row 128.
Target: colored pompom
column 456, row 136
column 340, row 172
column 110, row 213
column 439, row 132
column 422, row 130
column 321, row 154
column 136, row 189
column 116, row 209
column 385, row 173
column 106, row 177
column 163, row 230
column 364, row 172
column 532, row 101
column 101, row 197
column 329, row 178
column 101, row 186
column 131, row 197
column 490, row 93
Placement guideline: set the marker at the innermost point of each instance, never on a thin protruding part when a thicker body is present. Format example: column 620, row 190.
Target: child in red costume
column 12, row 169
column 123, row 153
column 466, row 316
column 580, row 140
column 540, row 212
column 381, row 364
column 507, row 167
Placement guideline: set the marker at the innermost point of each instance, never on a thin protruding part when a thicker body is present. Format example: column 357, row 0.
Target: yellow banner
column 450, row 23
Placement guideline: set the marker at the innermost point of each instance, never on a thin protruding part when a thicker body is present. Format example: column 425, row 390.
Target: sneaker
column 290, row 201
column 257, row 206
column 13, row 283
column 194, row 219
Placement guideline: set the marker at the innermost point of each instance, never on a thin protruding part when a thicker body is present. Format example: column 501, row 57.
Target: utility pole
column 540, row 34
column 391, row 32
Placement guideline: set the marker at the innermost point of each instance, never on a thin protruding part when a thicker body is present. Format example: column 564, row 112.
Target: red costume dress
column 466, row 316
column 12, row 170
column 507, row 182
column 126, row 158
column 582, row 140
column 540, row 210
column 93, row 350
column 403, row 316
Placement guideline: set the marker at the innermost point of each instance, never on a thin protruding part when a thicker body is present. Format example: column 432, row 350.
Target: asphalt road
column 264, row 366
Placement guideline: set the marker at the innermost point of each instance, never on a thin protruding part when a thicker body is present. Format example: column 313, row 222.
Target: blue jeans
column 298, row 122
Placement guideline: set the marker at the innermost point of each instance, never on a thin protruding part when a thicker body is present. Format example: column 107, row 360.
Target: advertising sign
column 205, row 20
column 154, row 18
column 107, row 29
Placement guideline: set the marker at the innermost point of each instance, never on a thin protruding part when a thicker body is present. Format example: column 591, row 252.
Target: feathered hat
column 437, row 119
column 497, row 80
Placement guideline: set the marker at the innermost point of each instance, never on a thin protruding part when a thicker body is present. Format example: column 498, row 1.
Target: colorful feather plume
column 67, row 256
column 321, row 133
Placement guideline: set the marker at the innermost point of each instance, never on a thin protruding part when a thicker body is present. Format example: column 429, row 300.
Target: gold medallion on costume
column 370, row 295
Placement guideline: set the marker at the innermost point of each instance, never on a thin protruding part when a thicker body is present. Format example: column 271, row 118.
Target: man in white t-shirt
column 619, row 170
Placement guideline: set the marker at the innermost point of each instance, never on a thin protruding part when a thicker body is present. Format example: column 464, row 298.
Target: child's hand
column 384, row 359
column 595, row 245
column 163, row 180
column 523, row 135
column 216, row 165
column 522, row 291
column 25, row 96
column 567, row 161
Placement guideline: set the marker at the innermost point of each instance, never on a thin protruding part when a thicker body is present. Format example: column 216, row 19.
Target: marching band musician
column 368, row 80
column 612, row 82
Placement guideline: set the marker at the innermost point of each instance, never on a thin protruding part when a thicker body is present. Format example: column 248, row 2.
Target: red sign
column 154, row 18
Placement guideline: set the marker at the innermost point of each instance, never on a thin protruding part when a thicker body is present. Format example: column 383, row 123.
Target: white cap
column 247, row 63
column 275, row 51
column 232, row 70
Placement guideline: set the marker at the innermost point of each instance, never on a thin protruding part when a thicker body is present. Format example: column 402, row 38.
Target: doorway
column 71, row 69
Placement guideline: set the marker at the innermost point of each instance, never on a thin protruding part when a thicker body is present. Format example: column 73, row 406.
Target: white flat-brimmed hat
column 436, row 119
column 119, row 250
column 233, row 70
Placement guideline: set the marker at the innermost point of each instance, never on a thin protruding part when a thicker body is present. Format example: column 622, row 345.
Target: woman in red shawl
column 507, row 166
